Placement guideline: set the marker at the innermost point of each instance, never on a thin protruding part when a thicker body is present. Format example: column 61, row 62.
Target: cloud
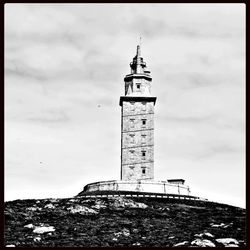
column 221, row 149
column 24, row 72
column 57, row 116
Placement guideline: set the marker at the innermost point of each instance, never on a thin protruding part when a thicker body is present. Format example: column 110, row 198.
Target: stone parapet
column 138, row 186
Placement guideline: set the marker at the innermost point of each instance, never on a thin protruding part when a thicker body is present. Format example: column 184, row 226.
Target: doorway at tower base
column 163, row 187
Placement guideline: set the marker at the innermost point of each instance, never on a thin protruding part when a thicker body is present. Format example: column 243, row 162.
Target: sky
column 64, row 70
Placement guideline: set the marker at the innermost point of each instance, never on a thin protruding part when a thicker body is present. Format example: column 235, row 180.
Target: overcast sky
column 64, row 70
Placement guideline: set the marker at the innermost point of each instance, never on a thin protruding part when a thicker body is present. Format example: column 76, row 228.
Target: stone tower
column 137, row 123
column 137, row 143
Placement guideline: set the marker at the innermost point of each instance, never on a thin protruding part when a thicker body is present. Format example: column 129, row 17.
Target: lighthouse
column 137, row 141
column 137, row 123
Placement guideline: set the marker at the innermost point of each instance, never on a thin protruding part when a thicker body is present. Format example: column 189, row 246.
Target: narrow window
column 143, row 153
column 132, row 138
column 132, row 106
column 132, row 154
column 138, row 86
column 144, row 170
column 143, row 139
column 143, row 106
column 132, row 123
column 144, row 122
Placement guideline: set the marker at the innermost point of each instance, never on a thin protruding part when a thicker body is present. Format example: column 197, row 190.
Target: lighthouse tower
column 137, row 140
column 137, row 123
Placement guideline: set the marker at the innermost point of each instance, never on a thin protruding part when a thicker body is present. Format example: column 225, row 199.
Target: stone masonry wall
column 141, row 186
column 145, row 86
column 137, row 140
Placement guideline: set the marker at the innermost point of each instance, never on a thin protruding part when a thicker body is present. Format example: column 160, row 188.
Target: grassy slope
column 162, row 223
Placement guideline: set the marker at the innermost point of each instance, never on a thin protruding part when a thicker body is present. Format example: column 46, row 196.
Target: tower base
column 162, row 187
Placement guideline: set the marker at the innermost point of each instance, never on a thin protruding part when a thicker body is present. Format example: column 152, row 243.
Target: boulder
column 33, row 209
column 81, row 210
column 204, row 235
column 37, row 239
column 99, row 204
column 136, row 244
column 124, row 232
column 73, row 200
column 202, row 243
column 222, row 225
column 29, row 226
column 227, row 241
column 121, row 202
column 43, row 229
column 198, row 235
column 49, row 206
column 208, row 235
column 184, row 243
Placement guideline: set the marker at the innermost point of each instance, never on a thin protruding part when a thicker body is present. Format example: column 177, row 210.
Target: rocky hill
column 118, row 221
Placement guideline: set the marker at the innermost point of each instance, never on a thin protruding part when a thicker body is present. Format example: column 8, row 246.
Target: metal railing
column 162, row 196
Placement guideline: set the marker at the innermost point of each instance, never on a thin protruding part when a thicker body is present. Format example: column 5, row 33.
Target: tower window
column 132, row 106
column 138, row 86
column 144, row 121
column 144, row 106
column 143, row 153
column 144, row 170
column 132, row 154
column 132, row 138
column 143, row 139
column 132, row 124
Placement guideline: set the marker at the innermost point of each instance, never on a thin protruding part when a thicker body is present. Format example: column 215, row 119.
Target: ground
column 121, row 221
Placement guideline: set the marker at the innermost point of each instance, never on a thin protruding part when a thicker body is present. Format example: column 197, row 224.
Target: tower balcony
column 145, row 76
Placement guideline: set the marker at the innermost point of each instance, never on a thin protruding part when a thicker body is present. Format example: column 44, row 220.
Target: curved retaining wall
column 139, row 186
